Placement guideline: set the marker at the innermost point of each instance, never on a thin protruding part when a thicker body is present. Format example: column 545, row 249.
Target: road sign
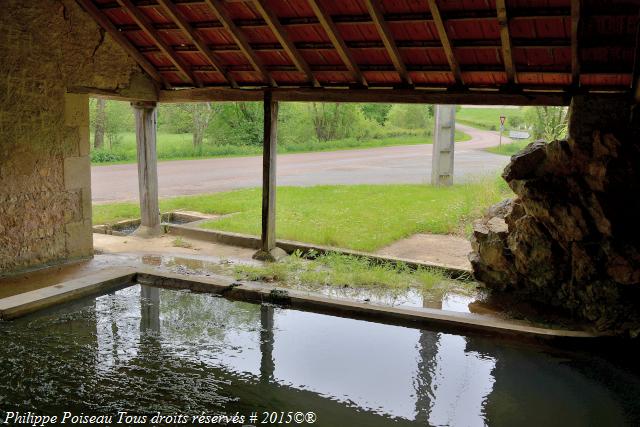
column 502, row 119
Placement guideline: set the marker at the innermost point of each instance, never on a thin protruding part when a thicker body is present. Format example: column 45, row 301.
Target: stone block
column 79, row 239
column 86, row 203
column 77, row 173
column 76, row 109
column 84, row 143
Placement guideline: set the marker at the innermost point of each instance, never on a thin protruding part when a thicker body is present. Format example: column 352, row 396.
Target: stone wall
column 570, row 239
column 47, row 47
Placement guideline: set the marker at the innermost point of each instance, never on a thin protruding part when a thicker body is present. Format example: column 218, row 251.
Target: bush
column 103, row 156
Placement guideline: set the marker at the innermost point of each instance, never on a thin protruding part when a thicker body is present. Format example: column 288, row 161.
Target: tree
column 336, row 121
column 410, row 116
column 100, row 123
column 200, row 115
column 377, row 112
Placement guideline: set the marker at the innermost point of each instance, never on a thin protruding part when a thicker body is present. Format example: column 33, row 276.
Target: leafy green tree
column 411, row 116
column 377, row 112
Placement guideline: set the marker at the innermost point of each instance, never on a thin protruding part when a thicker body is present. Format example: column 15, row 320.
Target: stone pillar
column 146, row 126
column 443, row 145
column 77, row 178
column 268, row 250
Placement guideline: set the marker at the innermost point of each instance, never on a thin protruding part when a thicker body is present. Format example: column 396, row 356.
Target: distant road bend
column 408, row 164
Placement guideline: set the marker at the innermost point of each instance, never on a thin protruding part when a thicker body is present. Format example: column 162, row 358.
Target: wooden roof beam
column 108, row 26
column 373, row 7
column 402, row 96
column 446, row 43
column 338, row 42
column 240, row 39
column 170, row 8
column 146, row 26
column 505, row 38
column 285, row 41
column 575, row 48
column 635, row 78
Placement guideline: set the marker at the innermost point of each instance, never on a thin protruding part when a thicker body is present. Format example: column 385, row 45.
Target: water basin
column 144, row 349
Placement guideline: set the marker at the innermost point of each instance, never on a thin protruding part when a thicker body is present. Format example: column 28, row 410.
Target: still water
column 144, row 349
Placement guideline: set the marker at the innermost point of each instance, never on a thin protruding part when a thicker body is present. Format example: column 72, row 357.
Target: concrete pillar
column 443, row 145
column 146, row 126
column 268, row 250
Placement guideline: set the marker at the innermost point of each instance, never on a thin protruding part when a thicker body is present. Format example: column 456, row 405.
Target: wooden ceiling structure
column 521, row 52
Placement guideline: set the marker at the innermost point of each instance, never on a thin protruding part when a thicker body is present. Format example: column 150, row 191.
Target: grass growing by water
column 361, row 217
column 344, row 271
column 180, row 147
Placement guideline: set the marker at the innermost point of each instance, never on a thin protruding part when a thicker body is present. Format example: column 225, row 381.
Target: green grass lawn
column 180, row 147
column 361, row 217
column 489, row 118
column 509, row 149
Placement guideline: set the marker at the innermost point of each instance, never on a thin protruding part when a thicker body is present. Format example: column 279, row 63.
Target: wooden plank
column 242, row 42
column 170, row 8
column 400, row 96
column 106, row 25
column 285, row 41
column 146, row 26
column 268, row 236
column 575, row 43
column 635, row 79
column 373, row 6
column 145, row 114
column 505, row 38
column 338, row 42
column 446, row 43
column 112, row 94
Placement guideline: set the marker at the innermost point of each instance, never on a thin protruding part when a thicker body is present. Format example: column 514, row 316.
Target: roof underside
column 511, row 46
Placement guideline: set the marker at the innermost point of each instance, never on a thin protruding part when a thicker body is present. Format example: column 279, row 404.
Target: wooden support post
column 146, row 125
column 268, row 250
column 443, row 145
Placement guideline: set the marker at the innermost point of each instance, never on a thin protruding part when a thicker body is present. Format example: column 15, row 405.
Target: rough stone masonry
column 46, row 48
column 571, row 236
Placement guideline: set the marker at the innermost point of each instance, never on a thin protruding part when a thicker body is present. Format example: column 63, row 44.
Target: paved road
column 401, row 164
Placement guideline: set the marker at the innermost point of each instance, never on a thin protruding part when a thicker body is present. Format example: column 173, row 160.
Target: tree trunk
column 101, row 121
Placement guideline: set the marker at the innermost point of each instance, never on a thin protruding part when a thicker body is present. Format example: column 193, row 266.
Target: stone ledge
column 107, row 280
column 22, row 304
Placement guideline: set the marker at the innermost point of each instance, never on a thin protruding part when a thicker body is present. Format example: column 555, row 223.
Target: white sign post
column 502, row 120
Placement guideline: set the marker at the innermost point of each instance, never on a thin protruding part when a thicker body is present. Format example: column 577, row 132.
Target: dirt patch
column 442, row 249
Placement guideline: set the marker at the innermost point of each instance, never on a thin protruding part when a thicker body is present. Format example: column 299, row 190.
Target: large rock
column 571, row 237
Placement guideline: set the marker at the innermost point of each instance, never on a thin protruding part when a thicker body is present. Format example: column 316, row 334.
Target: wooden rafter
column 505, row 38
column 446, row 43
column 575, row 48
column 146, row 26
column 338, row 43
column 285, row 41
column 242, row 42
column 106, row 24
column 170, row 8
column 373, row 6
column 635, row 78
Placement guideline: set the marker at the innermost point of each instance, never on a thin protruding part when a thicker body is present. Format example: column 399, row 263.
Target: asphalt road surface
column 410, row 164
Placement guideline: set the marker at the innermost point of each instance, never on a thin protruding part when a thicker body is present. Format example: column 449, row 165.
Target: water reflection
column 151, row 349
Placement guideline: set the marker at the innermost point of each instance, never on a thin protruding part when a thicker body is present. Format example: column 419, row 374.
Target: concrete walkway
column 408, row 164
column 435, row 248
